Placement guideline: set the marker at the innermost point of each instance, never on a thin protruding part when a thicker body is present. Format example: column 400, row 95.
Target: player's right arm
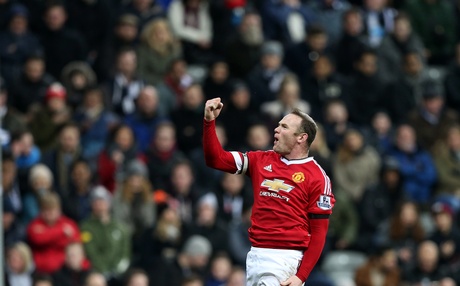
column 215, row 156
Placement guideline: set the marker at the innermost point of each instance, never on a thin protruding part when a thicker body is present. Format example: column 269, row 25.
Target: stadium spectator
column 405, row 93
column 144, row 120
column 418, row 171
column 188, row 119
column 60, row 159
column 447, row 162
column 113, row 161
column 323, row 85
column 48, row 119
column 61, row 44
column 17, row 35
column 95, row 123
column 40, row 179
column 158, row 48
column 29, row 88
column 20, row 267
column 162, row 155
column 433, row 117
column 382, row 265
column 133, row 203
column 232, row 194
column 75, row 269
column 124, row 86
column 265, row 78
column 356, row 165
column 106, row 240
column 396, row 44
column 49, row 235
column 77, row 77
column 192, row 261
column 77, row 204
column 287, row 21
column 191, row 22
column 243, row 48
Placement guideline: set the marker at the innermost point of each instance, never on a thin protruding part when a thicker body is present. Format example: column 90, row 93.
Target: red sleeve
column 318, row 231
column 215, row 156
column 320, row 207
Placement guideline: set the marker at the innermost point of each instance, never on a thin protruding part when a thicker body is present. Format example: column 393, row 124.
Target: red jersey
column 286, row 192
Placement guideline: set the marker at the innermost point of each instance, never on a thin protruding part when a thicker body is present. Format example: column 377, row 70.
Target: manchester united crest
column 298, row 177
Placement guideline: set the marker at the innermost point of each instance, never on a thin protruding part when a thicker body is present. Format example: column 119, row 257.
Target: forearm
column 318, row 231
column 215, row 156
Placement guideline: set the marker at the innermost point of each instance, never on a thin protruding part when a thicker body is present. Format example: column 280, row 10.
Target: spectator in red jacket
column 50, row 233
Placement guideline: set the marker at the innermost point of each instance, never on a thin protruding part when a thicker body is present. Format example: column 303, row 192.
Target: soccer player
column 292, row 198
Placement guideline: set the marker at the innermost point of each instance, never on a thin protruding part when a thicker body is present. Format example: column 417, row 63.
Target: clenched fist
column 212, row 109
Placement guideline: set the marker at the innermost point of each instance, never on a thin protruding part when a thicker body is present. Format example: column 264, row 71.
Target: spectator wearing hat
column 446, row 234
column 29, row 89
column 133, row 201
column 107, row 243
column 61, row 44
column 50, row 233
column 61, row 158
column 48, row 119
column 265, row 79
column 433, row 117
column 446, row 155
column 17, row 43
column 192, row 260
column 77, row 77
column 124, row 35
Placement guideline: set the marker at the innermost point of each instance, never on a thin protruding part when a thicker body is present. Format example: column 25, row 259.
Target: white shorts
column 270, row 267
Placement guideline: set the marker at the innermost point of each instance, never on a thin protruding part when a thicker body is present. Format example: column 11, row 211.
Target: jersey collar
column 296, row 161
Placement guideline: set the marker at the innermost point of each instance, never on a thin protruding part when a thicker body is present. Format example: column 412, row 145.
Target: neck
column 104, row 218
column 297, row 155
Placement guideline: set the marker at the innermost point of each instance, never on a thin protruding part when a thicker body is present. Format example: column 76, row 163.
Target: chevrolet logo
column 276, row 185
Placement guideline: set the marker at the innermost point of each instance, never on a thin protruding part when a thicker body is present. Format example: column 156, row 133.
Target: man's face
column 8, row 173
column 34, row 70
column 148, row 101
column 368, row 64
column 285, row 134
column 74, row 256
column 69, row 139
column 50, row 215
column 55, row 18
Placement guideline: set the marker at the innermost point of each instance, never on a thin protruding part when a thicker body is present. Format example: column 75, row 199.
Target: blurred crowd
column 101, row 107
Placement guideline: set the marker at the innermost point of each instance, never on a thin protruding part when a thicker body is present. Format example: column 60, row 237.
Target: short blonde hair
column 40, row 170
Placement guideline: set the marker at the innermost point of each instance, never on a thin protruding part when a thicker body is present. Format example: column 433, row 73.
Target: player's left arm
column 320, row 208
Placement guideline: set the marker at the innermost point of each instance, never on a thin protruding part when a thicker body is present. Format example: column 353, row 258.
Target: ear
column 301, row 138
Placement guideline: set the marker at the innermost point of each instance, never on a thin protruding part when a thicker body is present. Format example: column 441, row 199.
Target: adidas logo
column 268, row 168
